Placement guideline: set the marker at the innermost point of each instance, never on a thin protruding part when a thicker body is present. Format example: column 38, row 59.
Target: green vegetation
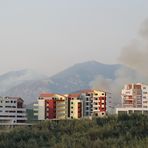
column 110, row 132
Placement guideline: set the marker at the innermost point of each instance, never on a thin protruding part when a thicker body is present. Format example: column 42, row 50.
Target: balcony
column 60, row 104
column 60, row 110
column 35, row 114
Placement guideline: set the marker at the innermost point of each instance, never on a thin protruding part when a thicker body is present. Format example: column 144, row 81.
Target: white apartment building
column 12, row 110
column 134, row 99
column 135, row 95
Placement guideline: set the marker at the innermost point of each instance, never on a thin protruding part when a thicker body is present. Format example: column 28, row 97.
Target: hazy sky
column 51, row 35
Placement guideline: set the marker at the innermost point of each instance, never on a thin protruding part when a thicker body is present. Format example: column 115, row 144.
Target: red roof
column 49, row 95
column 87, row 91
column 73, row 95
column 46, row 95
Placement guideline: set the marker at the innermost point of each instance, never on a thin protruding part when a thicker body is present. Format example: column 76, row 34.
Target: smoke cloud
column 134, row 59
column 135, row 55
column 123, row 76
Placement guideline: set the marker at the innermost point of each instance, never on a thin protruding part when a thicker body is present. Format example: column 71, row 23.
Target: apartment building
column 94, row 103
column 12, row 110
column 75, row 106
column 134, row 99
column 86, row 103
column 51, row 106
column 135, row 95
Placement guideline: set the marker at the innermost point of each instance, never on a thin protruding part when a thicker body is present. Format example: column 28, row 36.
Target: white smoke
column 123, row 76
column 134, row 57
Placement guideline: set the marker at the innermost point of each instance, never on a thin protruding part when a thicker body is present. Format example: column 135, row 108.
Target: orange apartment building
column 86, row 103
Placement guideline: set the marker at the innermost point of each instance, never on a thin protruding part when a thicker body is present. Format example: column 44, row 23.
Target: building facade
column 94, row 103
column 51, row 106
column 75, row 106
column 135, row 95
column 12, row 110
column 134, row 99
column 84, row 104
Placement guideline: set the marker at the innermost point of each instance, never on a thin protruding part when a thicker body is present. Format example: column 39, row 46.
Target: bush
column 123, row 131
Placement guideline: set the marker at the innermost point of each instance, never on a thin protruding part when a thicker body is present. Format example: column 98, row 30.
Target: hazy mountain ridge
column 14, row 78
column 72, row 79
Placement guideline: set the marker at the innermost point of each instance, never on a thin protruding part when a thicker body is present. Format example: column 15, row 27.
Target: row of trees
column 121, row 132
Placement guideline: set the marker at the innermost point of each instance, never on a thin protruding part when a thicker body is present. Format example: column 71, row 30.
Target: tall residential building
column 51, row 106
column 135, row 95
column 94, row 103
column 75, row 106
column 12, row 110
column 134, row 99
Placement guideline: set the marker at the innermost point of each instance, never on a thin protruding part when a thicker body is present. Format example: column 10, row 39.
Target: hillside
column 72, row 79
column 14, row 78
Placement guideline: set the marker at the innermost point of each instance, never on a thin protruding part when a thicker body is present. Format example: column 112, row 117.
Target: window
column 12, row 111
column 87, row 94
column 71, row 111
column 20, row 116
column 87, row 103
column 96, row 98
column 8, row 106
column 71, row 102
column 87, row 99
column 87, row 108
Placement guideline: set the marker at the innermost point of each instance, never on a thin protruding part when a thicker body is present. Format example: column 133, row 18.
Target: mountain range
column 29, row 84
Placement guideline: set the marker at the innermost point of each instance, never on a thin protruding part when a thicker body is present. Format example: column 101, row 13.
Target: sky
column 52, row 35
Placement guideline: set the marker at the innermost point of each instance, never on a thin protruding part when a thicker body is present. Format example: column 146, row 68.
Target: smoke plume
column 134, row 57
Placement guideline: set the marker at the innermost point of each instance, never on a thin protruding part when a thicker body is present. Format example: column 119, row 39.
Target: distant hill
column 72, row 79
column 80, row 75
column 15, row 78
